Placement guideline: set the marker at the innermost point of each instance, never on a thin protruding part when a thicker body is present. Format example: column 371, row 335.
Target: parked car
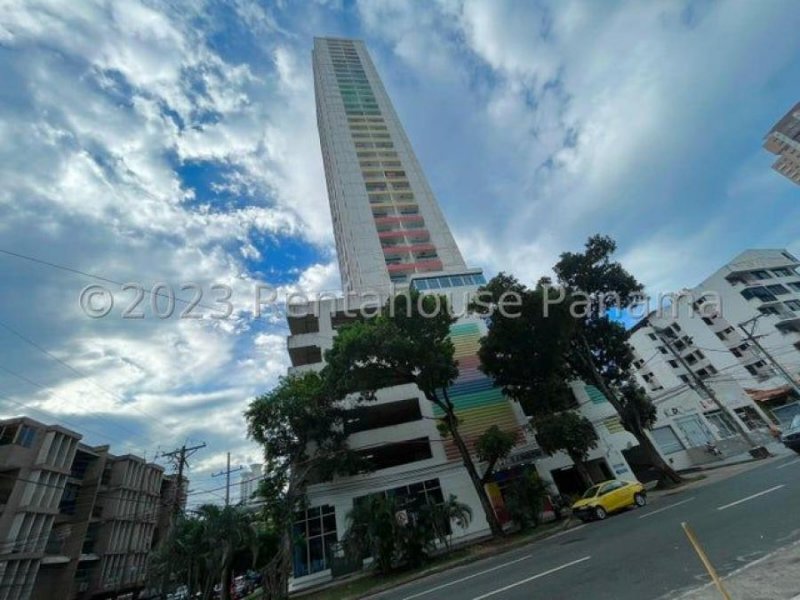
column 610, row 496
column 791, row 437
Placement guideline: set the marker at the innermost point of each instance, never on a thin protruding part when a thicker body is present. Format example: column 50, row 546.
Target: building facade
column 248, row 483
column 77, row 522
column 35, row 463
column 386, row 220
column 391, row 235
column 784, row 141
column 710, row 327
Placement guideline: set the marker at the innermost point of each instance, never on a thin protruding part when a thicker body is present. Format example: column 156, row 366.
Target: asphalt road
column 638, row 554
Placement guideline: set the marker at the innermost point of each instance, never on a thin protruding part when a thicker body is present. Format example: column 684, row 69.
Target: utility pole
column 180, row 456
column 664, row 336
column 754, row 339
column 227, row 472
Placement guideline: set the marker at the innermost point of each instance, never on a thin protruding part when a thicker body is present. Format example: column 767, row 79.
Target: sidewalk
column 774, row 577
column 776, row 448
column 718, row 471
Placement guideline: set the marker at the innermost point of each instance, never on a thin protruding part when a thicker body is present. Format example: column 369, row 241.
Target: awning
column 767, row 395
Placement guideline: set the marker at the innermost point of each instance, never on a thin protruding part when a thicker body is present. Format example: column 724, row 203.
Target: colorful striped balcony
column 415, row 235
column 419, row 266
column 404, row 248
column 394, row 220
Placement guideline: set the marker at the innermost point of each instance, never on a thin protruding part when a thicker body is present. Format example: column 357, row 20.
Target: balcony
column 418, row 266
column 406, row 248
column 397, row 220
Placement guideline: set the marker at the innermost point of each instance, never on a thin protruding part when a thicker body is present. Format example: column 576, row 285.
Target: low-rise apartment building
column 77, row 522
column 710, row 327
column 35, row 463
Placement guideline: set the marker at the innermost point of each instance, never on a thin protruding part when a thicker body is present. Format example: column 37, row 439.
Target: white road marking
column 770, row 490
column 655, row 512
column 565, row 532
column 524, row 581
column 444, row 585
column 783, row 466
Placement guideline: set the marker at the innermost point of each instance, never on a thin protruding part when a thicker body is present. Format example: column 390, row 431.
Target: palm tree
column 373, row 531
column 224, row 532
column 444, row 514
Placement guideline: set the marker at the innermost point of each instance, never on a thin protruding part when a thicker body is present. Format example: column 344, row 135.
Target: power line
column 49, row 390
column 61, row 420
column 44, row 351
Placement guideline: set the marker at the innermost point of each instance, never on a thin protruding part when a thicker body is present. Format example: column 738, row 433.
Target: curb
column 489, row 553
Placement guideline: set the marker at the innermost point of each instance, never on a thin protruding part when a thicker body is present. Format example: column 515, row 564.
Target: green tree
column 599, row 350
column 525, row 348
column 224, row 531
column 563, row 333
column 408, row 342
column 300, row 428
column 444, row 514
column 524, row 498
column 372, row 530
column 491, row 447
column 569, row 432
column 375, row 529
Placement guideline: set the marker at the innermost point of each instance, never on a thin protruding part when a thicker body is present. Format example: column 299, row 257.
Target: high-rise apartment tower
column 784, row 140
column 387, row 222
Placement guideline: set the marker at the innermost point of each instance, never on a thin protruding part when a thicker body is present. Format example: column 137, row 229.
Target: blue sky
column 151, row 142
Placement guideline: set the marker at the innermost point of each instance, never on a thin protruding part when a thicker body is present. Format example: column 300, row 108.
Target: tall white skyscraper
column 784, row 141
column 387, row 222
column 389, row 232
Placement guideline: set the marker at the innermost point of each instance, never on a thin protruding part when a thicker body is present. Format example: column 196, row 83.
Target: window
column 758, row 292
column 750, row 417
column 398, row 453
column 413, row 496
column 26, row 436
column 708, row 321
column 777, row 289
column 365, row 418
column 761, row 274
column 768, row 310
column 7, row 434
column 792, row 304
column 610, row 487
column 673, row 364
column 666, row 440
column 782, row 272
column 795, row 285
column 722, row 422
column 314, row 537
column 652, row 336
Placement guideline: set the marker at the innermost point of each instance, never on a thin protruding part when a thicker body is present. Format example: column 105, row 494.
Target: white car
column 791, row 436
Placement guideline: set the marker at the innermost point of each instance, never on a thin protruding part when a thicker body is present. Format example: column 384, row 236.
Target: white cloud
column 537, row 124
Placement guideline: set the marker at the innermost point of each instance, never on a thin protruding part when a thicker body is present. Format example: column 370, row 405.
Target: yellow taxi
column 607, row 497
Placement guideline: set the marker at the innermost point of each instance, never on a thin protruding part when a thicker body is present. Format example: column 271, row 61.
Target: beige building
column 35, row 463
column 77, row 522
column 784, row 141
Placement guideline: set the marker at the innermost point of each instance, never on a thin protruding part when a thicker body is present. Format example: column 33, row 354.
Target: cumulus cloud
column 147, row 143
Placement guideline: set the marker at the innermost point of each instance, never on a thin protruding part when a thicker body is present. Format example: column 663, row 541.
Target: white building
column 784, row 141
column 390, row 232
column 703, row 326
column 386, row 220
column 249, row 479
